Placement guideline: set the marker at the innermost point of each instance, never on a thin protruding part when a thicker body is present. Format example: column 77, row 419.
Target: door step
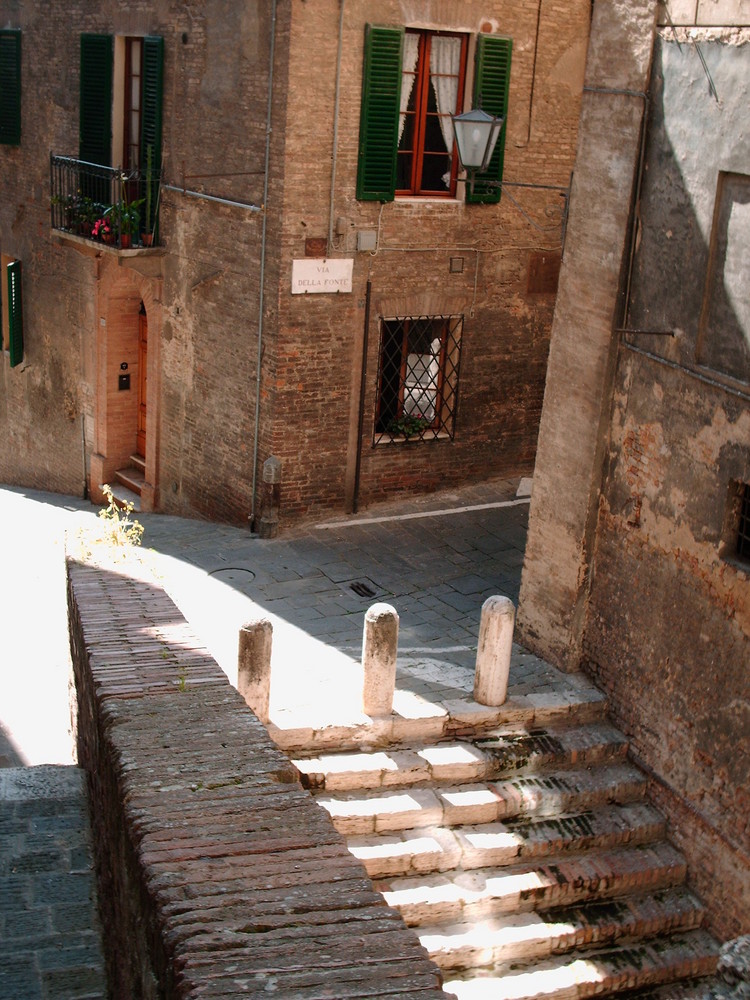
column 129, row 482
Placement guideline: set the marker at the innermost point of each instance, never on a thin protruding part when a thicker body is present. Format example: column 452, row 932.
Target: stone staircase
column 521, row 848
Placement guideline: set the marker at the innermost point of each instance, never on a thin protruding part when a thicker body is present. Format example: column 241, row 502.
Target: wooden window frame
column 421, row 113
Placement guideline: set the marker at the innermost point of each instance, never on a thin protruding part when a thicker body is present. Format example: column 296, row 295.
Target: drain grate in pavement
column 233, row 574
column 362, row 589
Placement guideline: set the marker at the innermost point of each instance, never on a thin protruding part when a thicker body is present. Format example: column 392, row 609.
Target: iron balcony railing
column 104, row 204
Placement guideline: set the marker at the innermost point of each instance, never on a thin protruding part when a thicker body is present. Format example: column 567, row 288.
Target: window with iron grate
column 743, row 532
column 418, row 378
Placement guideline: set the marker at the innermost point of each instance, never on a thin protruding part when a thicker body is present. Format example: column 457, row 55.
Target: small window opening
column 418, row 378
column 743, row 530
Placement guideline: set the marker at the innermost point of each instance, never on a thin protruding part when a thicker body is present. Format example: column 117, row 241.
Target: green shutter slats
column 95, row 111
column 151, row 119
column 15, row 313
column 10, row 88
column 491, row 85
column 379, row 117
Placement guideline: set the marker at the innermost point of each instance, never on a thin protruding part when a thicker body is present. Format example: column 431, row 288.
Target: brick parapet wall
column 219, row 876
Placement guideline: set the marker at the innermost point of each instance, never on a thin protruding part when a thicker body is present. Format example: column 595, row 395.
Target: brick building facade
column 638, row 562
column 425, row 367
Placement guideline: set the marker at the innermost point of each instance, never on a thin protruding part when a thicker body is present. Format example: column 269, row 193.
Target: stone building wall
column 202, row 287
column 64, row 429
column 669, row 607
column 319, row 352
column 653, row 601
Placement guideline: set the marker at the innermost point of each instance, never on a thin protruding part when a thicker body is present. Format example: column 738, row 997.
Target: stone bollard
column 379, row 650
column 270, row 498
column 493, row 651
column 254, row 665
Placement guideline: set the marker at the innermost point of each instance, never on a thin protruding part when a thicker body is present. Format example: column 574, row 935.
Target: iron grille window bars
column 417, row 392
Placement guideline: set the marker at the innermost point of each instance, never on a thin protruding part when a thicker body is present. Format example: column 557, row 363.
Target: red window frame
column 422, row 116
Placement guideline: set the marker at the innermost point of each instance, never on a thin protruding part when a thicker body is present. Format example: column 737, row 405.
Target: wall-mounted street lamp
column 476, row 133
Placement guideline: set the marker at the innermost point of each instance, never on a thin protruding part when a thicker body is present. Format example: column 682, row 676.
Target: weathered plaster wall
column 668, row 626
column 668, row 622
column 629, row 567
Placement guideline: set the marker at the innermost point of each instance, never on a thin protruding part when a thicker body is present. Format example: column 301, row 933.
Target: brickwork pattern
column 219, row 874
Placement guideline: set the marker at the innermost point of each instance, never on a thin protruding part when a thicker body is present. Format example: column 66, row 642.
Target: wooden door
column 142, row 378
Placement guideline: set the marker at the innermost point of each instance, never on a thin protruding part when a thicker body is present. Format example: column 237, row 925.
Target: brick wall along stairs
column 525, row 855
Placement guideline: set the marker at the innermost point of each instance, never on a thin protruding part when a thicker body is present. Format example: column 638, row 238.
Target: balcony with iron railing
column 104, row 205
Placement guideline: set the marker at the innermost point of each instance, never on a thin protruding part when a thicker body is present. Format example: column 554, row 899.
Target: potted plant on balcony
column 125, row 219
column 151, row 205
column 102, row 230
column 87, row 211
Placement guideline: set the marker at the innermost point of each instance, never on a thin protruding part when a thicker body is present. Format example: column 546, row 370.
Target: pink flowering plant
column 101, row 229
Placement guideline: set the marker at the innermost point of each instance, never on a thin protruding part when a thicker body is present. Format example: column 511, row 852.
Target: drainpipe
column 362, row 388
column 335, row 128
column 256, row 433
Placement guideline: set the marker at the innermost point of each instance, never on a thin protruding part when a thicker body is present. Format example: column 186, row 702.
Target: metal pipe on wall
column 335, row 128
column 362, row 387
column 259, row 359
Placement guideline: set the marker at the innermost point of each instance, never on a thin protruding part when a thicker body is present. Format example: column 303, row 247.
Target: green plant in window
column 407, row 426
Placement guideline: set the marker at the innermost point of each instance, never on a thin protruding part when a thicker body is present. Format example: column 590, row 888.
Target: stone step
column 416, row 720
column 565, row 791
column 454, row 761
column 535, row 936
column 562, row 881
column 437, row 849
column 600, row 972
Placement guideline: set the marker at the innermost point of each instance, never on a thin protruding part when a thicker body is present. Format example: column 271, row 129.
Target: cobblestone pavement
column 48, row 924
column 435, row 559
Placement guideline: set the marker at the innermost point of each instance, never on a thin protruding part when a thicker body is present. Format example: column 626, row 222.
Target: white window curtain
column 421, row 383
column 445, row 63
column 409, row 66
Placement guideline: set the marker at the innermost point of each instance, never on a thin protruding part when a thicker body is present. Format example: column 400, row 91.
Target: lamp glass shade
column 476, row 135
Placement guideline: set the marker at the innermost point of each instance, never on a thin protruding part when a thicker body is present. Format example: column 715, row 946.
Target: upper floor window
column 10, row 88
column 120, row 115
column 121, row 97
column 432, row 80
column 413, row 82
column 724, row 332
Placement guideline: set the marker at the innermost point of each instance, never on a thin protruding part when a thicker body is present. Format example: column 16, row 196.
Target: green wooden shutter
column 491, row 84
column 15, row 313
column 10, row 88
column 95, row 111
column 378, row 123
column 153, row 77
